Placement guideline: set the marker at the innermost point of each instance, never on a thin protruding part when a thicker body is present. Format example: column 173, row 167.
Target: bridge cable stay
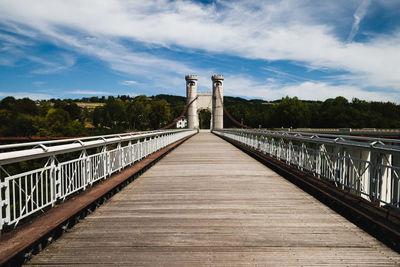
column 228, row 114
column 182, row 115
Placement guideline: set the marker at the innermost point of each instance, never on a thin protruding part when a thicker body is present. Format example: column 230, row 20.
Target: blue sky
column 311, row 49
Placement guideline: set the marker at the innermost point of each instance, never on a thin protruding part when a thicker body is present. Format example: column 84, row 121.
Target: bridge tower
column 217, row 99
column 191, row 93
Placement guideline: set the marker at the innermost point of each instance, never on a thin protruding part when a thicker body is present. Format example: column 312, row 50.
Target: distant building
column 89, row 106
column 182, row 123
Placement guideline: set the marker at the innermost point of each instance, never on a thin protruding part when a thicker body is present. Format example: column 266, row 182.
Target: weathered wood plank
column 208, row 203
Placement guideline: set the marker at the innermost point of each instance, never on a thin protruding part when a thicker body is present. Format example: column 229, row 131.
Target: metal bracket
column 45, row 148
column 80, row 142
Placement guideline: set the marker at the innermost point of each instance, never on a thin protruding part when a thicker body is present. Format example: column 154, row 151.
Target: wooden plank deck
column 209, row 204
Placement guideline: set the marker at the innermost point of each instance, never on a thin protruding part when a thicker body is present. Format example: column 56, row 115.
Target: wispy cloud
column 88, row 92
column 128, row 82
column 308, row 90
column 39, row 83
column 359, row 14
column 46, row 66
column 15, row 49
column 285, row 75
column 31, row 95
column 11, row 49
column 8, row 40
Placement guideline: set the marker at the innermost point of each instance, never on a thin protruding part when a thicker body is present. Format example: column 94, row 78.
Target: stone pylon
column 191, row 94
column 217, row 100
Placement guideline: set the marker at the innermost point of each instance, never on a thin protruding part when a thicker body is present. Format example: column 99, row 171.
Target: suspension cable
column 228, row 114
column 182, row 115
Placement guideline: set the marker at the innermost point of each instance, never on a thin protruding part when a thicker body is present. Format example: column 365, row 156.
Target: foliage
column 332, row 113
column 55, row 117
column 204, row 119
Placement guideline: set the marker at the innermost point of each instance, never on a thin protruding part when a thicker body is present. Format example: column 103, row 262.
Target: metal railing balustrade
column 368, row 167
column 93, row 159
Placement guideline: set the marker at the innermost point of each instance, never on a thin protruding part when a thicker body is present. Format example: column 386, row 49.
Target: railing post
column 289, row 152
column 264, row 144
column 120, row 156
column 375, row 176
column 340, row 172
column 271, row 145
column 302, row 156
column 395, row 177
column 130, row 152
column 318, row 161
column 55, row 181
column 107, row 165
column 84, row 170
column 140, row 149
column 4, row 202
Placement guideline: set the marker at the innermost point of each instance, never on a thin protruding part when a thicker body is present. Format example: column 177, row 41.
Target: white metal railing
column 23, row 194
column 366, row 167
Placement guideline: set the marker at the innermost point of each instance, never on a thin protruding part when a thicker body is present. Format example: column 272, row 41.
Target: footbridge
column 224, row 197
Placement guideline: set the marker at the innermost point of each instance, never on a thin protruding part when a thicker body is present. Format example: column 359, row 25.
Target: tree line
column 332, row 113
column 56, row 117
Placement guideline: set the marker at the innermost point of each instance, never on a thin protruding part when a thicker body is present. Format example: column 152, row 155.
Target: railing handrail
column 349, row 137
column 340, row 140
column 76, row 144
column 72, row 139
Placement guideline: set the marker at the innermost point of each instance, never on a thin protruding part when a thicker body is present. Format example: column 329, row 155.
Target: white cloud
column 360, row 13
column 120, row 57
column 301, row 31
column 16, row 49
column 31, row 95
column 88, row 92
column 11, row 49
column 128, row 82
column 306, row 90
column 8, row 40
column 59, row 63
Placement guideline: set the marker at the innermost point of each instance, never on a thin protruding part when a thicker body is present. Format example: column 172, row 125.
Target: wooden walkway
column 209, row 204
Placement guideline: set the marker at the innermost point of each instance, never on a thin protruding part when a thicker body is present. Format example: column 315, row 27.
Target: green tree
column 160, row 114
column 335, row 113
column 8, row 103
column 21, row 125
column 73, row 110
column 291, row 112
column 56, row 120
column 26, row 106
column 239, row 112
column 75, row 129
column 138, row 112
column 204, row 119
column 115, row 110
column 101, row 118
